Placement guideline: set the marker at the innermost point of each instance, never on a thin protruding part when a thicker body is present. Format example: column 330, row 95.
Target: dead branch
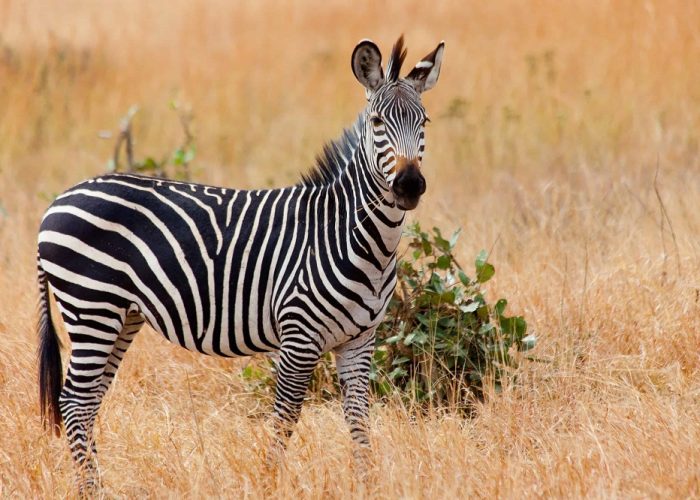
column 125, row 136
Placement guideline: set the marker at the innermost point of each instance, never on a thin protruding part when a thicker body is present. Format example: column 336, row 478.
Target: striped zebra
column 298, row 271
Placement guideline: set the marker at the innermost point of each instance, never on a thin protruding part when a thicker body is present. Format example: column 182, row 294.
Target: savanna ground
column 564, row 136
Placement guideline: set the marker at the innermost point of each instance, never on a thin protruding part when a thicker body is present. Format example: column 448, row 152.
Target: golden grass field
column 550, row 123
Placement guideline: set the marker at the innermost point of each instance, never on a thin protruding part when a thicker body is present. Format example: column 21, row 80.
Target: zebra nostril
column 399, row 183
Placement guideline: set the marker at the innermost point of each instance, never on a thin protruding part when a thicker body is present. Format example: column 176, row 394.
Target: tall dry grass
column 550, row 124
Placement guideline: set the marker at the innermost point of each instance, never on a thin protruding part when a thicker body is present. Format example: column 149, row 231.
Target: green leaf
column 427, row 247
column 413, row 229
column 485, row 273
column 399, row 361
column 405, row 268
column 507, row 326
column 379, row 354
column 528, row 342
column 463, row 278
column 485, row 328
column 470, row 307
column 397, row 372
column 383, row 388
column 441, row 242
column 444, row 262
column 481, row 259
column 423, row 319
column 179, row 156
column 447, row 297
column 436, row 284
column 419, row 337
column 484, row 270
column 189, row 154
column 251, row 372
column 447, row 322
column 148, row 164
column 520, row 326
column 454, row 238
column 500, row 306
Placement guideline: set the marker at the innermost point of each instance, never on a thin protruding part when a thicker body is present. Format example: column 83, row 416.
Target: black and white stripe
column 301, row 270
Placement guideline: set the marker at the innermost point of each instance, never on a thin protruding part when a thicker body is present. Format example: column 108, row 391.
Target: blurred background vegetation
column 527, row 88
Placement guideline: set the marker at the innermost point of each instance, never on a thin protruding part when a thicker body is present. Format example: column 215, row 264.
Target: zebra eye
column 376, row 121
column 426, row 121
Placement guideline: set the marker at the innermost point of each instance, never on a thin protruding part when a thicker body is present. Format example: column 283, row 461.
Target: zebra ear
column 367, row 65
column 425, row 74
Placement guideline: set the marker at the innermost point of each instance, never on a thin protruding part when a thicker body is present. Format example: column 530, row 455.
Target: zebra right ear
column 367, row 65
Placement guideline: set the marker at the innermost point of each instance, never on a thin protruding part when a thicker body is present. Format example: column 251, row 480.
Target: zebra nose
column 409, row 182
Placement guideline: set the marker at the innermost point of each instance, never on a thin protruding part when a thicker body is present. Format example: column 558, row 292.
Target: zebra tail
column 50, row 369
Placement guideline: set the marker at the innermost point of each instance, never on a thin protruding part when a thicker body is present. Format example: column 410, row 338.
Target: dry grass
column 548, row 124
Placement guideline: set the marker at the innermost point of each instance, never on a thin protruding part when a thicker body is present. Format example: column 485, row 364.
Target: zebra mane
column 334, row 159
column 398, row 55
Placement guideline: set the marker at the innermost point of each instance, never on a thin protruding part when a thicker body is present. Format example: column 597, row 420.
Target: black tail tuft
column 50, row 369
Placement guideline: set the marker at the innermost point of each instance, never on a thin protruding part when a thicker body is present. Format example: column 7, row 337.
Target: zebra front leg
column 297, row 361
column 353, row 361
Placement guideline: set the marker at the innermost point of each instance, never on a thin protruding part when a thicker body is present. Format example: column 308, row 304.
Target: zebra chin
column 406, row 203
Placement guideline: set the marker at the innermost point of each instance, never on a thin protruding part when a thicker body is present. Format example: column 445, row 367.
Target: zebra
column 297, row 271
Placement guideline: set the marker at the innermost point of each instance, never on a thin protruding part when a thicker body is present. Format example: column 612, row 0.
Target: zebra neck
column 371, row 226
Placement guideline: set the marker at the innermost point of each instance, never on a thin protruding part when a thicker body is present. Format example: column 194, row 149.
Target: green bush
column 441, row 341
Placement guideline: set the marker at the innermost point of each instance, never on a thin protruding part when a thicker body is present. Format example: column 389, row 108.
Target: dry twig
column 665, row 216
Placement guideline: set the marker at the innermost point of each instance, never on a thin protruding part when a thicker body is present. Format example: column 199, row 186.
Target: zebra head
column 395, row 118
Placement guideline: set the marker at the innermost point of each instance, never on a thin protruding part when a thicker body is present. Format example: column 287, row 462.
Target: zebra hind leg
column 132, row 325
column 99, row 341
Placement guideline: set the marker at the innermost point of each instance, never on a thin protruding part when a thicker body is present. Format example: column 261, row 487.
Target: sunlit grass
column 549, row 124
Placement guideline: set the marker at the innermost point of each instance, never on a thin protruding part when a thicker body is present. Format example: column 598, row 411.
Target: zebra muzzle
column 409, row 184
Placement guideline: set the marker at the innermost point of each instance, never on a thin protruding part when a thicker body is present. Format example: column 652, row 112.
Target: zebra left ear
column 425, row 74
